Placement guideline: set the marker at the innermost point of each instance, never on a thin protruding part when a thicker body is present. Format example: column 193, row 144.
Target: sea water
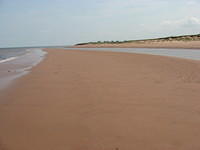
column 15, row 62
column 193, row 54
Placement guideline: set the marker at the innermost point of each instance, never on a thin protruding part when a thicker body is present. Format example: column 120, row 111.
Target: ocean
column 15, row 62
column 7, row 54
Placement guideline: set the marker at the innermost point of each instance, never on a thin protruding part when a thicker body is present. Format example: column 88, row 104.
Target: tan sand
column 84, row 100
column 147, row 44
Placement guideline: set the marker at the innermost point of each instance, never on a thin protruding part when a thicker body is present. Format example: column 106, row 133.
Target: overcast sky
column 65, row 22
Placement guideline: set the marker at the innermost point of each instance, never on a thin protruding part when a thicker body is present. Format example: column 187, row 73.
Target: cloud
column 186, row 22
column 191, row 2
column 126, row 7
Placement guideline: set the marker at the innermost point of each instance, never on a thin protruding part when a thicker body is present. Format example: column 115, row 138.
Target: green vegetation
column 171, row 38
column 105, row 42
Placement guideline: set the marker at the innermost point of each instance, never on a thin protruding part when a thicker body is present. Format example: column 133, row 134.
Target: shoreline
column 17, row 66
column 191, row 54
column 103, row 100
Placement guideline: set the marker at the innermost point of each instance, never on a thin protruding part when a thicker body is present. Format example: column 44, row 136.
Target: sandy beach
column 146, row 44
column 87, row 100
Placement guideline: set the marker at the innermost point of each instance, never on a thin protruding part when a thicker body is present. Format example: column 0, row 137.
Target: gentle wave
column 8, row 59
column 20, row 66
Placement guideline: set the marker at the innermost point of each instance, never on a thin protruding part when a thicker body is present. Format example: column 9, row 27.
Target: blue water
column 180, row 53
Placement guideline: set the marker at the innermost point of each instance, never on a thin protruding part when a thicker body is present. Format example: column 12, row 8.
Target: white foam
column 8, row 59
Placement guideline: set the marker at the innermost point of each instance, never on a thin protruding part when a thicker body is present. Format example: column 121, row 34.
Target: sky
column 67, row 22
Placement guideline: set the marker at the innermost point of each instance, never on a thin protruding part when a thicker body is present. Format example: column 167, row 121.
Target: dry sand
column 84, row 100
column 147, row 44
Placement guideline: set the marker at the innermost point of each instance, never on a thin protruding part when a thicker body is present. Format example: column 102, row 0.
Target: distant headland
column 183, row 41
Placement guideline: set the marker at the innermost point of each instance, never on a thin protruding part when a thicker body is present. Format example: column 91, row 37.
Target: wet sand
column 84, row 100
column 147, row 44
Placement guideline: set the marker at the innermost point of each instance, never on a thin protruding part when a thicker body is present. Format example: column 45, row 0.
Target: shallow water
column 180, row 53
column 7, row 53
column 18, row 64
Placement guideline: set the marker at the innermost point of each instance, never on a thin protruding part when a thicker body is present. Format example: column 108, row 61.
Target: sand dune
column 146, row 44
